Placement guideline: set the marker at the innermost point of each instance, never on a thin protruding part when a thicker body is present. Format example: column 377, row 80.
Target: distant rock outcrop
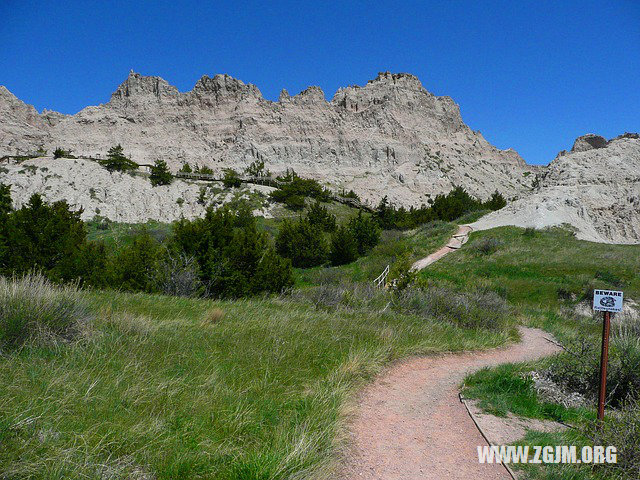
column 596, row 190
column 390, row 137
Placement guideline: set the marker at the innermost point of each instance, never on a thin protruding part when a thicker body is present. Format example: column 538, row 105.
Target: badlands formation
column 595, row 188
column 390, row 137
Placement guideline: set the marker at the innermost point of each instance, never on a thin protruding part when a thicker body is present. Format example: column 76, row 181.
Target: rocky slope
column 595, row 188
column 389, row 137
column 121, row 197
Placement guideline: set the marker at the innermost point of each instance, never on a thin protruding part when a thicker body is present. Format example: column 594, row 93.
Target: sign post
column 605, row 301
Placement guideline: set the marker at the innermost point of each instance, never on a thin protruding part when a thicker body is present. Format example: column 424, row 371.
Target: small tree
column 365, row 231
column 186, row 168
column 117, row 162
column 60, row 153
column 496, row 202
column 302, row 242
column 319, row 215
column 160, row 174
column 344, row 248
column 231, row 178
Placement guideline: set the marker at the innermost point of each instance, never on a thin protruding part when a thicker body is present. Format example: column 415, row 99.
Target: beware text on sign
column 607, row 301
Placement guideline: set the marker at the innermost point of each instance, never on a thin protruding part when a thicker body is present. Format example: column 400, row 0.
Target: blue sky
column 530, row 75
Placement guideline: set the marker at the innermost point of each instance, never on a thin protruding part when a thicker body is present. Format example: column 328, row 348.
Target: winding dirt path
column 412, row 425
column 456, row 241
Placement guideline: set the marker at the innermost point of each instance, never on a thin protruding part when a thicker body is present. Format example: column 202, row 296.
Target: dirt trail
column 458, row 239
column 412, row 425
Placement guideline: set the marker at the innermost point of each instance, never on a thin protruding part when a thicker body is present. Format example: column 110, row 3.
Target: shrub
column 136, row 266
column 295, row 186
column 344, row 247
column 365, row 231
column 179, row 275
column 235, row 258
column 622, row 430
column 160, row 174
column 32, row 309
column 61, row 153
column 302, row 242
column 476, row 309
column 186, row 168
column 455, row 204
column 231, row 178
column 319, row 215
column 117, row 162
column 256, row 169
column 487, row 245
column 42, row 236
column 204, row 169
column 529, row 232
column 579, row 369
column 495, row 202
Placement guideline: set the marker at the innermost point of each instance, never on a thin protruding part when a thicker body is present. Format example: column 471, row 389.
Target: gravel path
column 410, row 422
column 458, row 239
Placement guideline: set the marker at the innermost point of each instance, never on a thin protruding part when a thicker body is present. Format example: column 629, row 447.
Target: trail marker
column 605, row 301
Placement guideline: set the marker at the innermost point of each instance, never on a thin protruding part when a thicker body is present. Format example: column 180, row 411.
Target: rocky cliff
column 389, row 137
column 595, row 188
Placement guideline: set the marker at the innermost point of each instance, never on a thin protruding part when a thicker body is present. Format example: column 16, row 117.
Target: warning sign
column 607, row 301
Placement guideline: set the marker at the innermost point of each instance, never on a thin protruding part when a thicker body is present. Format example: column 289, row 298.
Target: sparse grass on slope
column 169, row 388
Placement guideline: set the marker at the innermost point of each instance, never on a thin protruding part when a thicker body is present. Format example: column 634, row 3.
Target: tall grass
column 33, row 309
column 171, row 388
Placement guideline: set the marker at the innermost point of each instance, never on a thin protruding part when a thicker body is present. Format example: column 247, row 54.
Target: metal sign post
column 605, row 301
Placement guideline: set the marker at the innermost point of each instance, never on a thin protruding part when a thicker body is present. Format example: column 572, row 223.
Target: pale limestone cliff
column 389, row 137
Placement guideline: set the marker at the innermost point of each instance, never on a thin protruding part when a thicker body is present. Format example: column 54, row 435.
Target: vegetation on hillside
column 117, row 161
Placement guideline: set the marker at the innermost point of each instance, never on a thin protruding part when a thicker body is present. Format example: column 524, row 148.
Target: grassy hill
column 165, row 387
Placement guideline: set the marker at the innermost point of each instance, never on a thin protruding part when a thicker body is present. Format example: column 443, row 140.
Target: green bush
column 319, row 215
column 295, row 186
column 231, row 178
column 365, row 231
column 302, row 242
column 495, row 202
column 578, row 370
column 621, row 430
column 32, row 309
column 344, row 247
column 117, row 161
column 42, row 236
column 235, row 259
column 487, row 245
column 186, row 168
column 160, row 174
column 61, row 153
column 136, row 266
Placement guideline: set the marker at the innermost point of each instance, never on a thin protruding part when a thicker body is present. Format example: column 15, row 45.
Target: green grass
column 535, row 271
column 153, row 389
column 418, row 243
column 115, row 234
column 508, row 389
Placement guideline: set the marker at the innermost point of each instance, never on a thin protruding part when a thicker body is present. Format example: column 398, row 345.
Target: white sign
column 607, row 301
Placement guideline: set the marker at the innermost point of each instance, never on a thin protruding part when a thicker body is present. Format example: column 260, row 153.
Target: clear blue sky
column 531, row 75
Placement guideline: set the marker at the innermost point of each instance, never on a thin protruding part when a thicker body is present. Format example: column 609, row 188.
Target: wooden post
column 604, row 357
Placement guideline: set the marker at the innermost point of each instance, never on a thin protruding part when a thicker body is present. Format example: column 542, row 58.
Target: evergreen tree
column 117, row 162
column 320, row 216
column 496, row 202
column 160, row 174
column 231, row 178
column 365, row 231
column 186, row 168
column 344, row 248
column 302, row 242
